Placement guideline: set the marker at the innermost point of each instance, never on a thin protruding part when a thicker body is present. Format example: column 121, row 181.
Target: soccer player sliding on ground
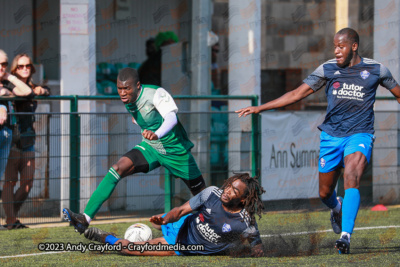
column 165, row 143
column 223, row 219
column 347, row 131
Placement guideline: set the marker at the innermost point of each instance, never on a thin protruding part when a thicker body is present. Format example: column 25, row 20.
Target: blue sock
column 332, row 201
column 351, row 204
column 110, row 239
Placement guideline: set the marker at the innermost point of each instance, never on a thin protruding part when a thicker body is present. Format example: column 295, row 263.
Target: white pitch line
column 34, row 254
column 276, row 235
column 324, row 231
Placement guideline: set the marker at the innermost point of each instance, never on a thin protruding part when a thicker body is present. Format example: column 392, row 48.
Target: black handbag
column 23, row 132
column 25, row 139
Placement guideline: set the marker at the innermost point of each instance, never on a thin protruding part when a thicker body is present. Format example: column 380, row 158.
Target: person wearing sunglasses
column 22, row 153
column 9, row 86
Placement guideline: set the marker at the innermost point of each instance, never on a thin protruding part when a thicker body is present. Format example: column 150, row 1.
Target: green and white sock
column 102, row 192
column 88, row 219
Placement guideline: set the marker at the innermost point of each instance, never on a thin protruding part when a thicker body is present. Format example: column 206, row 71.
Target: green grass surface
column 368, row 247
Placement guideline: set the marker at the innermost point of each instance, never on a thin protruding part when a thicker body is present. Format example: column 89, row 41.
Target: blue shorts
column 171, row 230
column 333, row 150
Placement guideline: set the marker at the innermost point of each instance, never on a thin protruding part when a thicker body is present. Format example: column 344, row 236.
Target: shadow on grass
column 367, row 250
column 312, row 244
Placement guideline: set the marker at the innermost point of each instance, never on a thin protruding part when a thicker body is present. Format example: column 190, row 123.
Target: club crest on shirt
column 147, row 108
column 364, row 74
column 322, row 162
column 226, row 228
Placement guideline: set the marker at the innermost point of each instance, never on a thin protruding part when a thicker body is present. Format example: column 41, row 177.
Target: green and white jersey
column 149, row 110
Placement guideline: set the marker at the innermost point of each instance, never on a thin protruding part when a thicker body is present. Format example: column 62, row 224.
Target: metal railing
column 75, row 135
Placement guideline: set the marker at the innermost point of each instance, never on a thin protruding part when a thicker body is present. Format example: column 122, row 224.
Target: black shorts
column 139, row 162
column 195, row 185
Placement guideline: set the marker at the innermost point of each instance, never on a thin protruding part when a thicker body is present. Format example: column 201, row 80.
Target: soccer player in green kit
column 165, row 143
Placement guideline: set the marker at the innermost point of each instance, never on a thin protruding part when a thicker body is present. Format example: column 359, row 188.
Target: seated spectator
column 9, row 86
column 22, row 153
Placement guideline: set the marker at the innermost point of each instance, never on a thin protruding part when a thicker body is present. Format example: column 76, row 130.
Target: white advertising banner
column 290, row 150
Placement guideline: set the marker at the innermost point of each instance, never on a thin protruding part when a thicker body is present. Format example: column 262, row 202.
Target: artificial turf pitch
column 290, row 238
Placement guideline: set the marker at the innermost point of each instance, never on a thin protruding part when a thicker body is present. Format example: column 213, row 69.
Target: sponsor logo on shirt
column 209, row 211
column 364, row 74
column 337, row 73
column 206, row 231
column 362, row 145
column 350, row 91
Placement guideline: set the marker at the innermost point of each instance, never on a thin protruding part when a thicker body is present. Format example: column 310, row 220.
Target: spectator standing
column 22, row 153
column 9, row 86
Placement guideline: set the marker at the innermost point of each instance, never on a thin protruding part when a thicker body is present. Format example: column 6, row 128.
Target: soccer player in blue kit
column 347, row 131
column 222, row 220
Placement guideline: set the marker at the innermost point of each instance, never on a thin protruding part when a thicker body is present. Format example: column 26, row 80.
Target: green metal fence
column 66, row 152
column 65, row 113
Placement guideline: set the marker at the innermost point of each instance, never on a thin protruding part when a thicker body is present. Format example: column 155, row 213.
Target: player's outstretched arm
column 174, row 215
column 291, row 97
column 193, row 204
column 396, row 92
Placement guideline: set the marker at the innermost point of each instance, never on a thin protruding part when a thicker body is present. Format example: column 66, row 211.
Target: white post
column 200, row 64
column 78, row 77
column 386, row 160
column 244, row 75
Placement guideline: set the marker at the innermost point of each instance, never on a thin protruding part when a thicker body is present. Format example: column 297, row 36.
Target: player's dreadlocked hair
column 127, row 74
column 252, row 203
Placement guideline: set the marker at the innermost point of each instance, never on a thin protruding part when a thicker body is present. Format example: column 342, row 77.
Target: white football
column 138, row 232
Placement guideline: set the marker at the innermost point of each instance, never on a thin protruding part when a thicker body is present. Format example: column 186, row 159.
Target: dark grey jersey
column 213, row 227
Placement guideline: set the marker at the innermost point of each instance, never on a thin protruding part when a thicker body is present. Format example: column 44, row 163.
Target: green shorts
column 182, row 166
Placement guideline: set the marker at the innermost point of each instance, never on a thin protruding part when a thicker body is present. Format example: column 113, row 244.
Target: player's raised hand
column 149, row 135
column 157, row 220
column 246, row 111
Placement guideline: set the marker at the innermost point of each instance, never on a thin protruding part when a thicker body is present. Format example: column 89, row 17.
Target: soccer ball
column 138, row 232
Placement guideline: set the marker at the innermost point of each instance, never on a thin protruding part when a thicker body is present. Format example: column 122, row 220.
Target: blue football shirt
column 351, row 95
column 213, row 227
